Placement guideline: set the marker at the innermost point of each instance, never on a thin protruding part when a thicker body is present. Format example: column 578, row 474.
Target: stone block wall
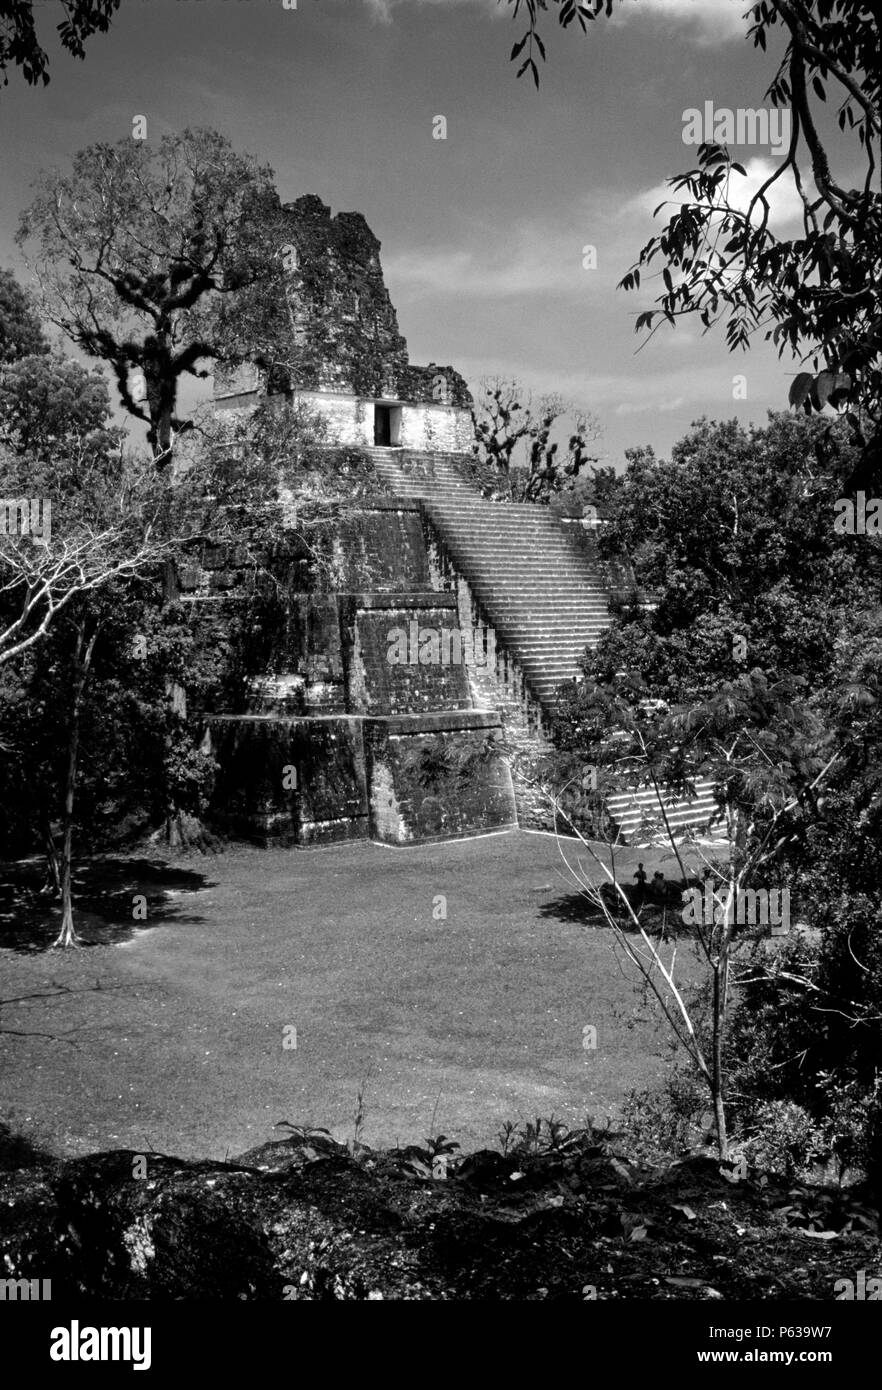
column 287, row 781
column 377, row 627
column 436, row 429
column 424, row 426
column 380, row 550
column 436, row 778
column 331, row 740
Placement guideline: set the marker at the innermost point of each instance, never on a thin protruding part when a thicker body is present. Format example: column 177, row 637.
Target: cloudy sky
column 482, row 233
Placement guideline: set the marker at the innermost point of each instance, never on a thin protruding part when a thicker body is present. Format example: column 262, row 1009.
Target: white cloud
column 785, row 204
column 710, row 21
column 382, row 10
column 651, row 389
column 534, row 259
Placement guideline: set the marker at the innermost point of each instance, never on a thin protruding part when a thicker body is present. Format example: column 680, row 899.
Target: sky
column 484, row 233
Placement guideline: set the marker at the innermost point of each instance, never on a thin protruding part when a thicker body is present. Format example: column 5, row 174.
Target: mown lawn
column 472, row 1019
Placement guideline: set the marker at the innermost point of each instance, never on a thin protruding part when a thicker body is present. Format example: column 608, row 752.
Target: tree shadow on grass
column 17, row 1151
column 659, row 911
column 104, row 893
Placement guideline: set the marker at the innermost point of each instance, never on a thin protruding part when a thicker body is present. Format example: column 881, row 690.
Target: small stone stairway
column 541, row 594
column 636, row 812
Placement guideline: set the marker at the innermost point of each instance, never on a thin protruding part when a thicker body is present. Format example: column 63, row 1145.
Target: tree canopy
column 816, row 295
column 133, row 250
column 21, row 333
column 21, row 46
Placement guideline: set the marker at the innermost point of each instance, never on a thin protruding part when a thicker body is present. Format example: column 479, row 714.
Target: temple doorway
column 387, row 425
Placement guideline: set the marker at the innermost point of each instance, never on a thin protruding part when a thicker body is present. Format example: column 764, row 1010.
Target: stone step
column 533, row 610
column 548, row 621
column 535, row 554
column 551, row 657
column 470, row 519
column 492, row 529
column 496, row 534
column 545, row 600
column 572, row 643
column 552, row 570
column 469, row 508
column 539, row 624
column 704, row 788
column 543, row 593
column 539, row 642
column 541, row 675
column 534, row 636
column 547, row 595
column 556, row 573
column 549, row 642
column 545, row 604
column 467, row 504
column 518, row 587
column 569, row 588
column 514, row 616
column 705, row 807
column 542, row 672
column 630, row 810
column 541, row 645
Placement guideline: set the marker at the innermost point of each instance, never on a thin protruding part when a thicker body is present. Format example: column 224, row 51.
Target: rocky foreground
column 307, row 1218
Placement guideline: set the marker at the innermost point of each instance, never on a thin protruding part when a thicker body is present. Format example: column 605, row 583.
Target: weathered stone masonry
column 338, row 348
column 335, row 742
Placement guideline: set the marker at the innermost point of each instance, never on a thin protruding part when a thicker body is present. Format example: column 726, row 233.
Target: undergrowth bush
column 665, row 1122
column 784, row 1140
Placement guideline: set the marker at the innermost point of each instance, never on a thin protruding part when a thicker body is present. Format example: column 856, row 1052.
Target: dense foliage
column 750, row 656
column 816, row 295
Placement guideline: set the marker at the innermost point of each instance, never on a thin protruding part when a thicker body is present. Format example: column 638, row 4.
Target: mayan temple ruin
column 344, row 355
column 399, row 750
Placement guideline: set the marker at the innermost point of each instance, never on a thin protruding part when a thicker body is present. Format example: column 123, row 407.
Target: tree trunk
column 53, row 873
column 717, row 1068
column 163, row 438
column 82, row 659
column 162, row 390
column 182, row 832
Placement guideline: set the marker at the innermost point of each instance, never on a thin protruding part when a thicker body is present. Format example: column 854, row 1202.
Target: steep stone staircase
column 539, row 591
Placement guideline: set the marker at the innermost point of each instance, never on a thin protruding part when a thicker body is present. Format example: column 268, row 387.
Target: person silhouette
column 659, row 886
column 640, row 876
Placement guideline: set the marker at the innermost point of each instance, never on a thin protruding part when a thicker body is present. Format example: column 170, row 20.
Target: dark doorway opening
column 387, row 425
column 382, row 425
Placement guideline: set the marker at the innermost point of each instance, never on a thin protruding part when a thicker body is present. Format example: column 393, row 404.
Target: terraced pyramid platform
column 540, row 591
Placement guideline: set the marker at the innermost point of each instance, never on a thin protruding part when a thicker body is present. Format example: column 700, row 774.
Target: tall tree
column 20, row 331
column 733, row 537
column 515, row 453
column 61, row 537
column 58, row 591
column 133, row 251
column 48, row 402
